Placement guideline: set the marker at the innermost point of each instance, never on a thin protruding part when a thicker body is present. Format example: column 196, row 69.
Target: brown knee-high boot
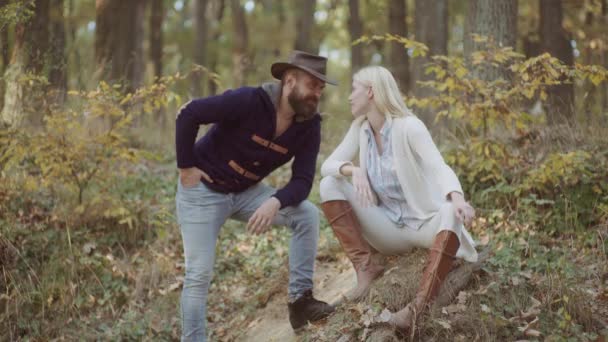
column 439, row 264
column 347, row 229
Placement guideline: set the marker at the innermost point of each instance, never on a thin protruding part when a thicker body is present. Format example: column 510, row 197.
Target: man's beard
column 304, row 107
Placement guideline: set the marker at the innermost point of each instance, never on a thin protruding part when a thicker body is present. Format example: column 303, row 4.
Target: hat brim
column 278, row 69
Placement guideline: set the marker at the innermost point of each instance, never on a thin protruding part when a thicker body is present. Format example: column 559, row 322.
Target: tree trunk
column 77, row 62
column 12, row 111
column 200, row 44
column 135, row 54
column 305, row 20
column 531, row 47
column 430, row 28
column 4, row 48
column 37, row 39
column 105, row 44
column 280, row 6
column 58, row 62
column 157, row 15
column 355, row 27
column 30, row 50
column 605, row 59
column 496, row 19
column 399, row 61
column 4, row 43
column 560, row 101
column 218, row 14
column 240, row 60
column 119, row 41
column 4, row 40
column 589, row 89
column 38, row 34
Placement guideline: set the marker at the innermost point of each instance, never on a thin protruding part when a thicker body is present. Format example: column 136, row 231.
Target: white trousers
column 388, row 238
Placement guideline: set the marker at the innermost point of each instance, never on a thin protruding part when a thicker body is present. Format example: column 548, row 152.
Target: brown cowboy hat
column 313, row 64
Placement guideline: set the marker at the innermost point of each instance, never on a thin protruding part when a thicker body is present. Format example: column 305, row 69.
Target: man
column 255, row 131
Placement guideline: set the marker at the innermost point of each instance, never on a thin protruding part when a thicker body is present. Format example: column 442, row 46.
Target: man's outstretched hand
column 262, row 218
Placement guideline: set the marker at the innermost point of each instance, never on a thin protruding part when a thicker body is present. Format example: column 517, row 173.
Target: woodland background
column 514, row 92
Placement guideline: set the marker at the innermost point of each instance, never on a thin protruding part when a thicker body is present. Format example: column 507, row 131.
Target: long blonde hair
column 387, row 96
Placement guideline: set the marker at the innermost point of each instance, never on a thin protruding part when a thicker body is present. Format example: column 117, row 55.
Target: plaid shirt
column 383, row 179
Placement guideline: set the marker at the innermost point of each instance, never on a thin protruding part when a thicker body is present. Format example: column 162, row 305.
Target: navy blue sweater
column 239, row 149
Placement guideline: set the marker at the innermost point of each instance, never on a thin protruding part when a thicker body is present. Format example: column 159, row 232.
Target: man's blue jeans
column 201, row 212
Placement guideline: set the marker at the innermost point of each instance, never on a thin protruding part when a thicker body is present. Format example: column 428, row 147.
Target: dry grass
column 393, row 290
column 494, row 306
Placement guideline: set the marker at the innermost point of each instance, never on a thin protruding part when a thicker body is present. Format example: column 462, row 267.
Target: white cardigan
column 425, row 178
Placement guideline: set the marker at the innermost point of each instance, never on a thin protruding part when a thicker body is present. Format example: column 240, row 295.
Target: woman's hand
column 462, row 209
column 362, row 187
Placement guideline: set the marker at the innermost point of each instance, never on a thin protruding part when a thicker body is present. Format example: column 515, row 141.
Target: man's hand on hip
column 192, row 176
column 262, row 218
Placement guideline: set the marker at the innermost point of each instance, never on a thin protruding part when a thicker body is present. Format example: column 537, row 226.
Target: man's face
column 305, row 95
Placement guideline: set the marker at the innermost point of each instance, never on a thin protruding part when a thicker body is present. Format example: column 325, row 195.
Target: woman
column 402, row 195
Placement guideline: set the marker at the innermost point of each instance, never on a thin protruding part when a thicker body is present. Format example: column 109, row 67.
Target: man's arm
column 302, row 171
column 229, row 106
column 298, row 188
column 262, row 218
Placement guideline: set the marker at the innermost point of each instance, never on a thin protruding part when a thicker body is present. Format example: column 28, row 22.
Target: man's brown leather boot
column 439, row 264
column 347, row 229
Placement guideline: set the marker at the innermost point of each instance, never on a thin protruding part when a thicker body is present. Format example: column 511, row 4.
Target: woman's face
column 360, row 99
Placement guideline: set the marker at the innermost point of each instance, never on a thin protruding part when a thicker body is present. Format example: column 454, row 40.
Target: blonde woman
column 402, row 194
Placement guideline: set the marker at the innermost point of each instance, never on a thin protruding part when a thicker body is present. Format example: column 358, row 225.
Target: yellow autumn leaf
column 529, row 93
column 461, row 72
column 596, row 79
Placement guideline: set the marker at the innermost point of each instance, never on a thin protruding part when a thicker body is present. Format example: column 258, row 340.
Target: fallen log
column 393, row 291
column 459, row 278
column 456, row 280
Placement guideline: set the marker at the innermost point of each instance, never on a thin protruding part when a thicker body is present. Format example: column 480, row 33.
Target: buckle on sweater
column 267, row 143
column 236, row 167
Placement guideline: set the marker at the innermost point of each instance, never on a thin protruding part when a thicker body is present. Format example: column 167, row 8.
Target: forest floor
column 556, row 295
column 333, row 279
column 536, row 285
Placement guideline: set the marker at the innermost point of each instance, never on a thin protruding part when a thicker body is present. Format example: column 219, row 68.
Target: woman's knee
column 330, row 189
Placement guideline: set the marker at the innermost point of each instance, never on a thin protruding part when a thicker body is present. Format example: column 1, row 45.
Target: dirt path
column 332, row 281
